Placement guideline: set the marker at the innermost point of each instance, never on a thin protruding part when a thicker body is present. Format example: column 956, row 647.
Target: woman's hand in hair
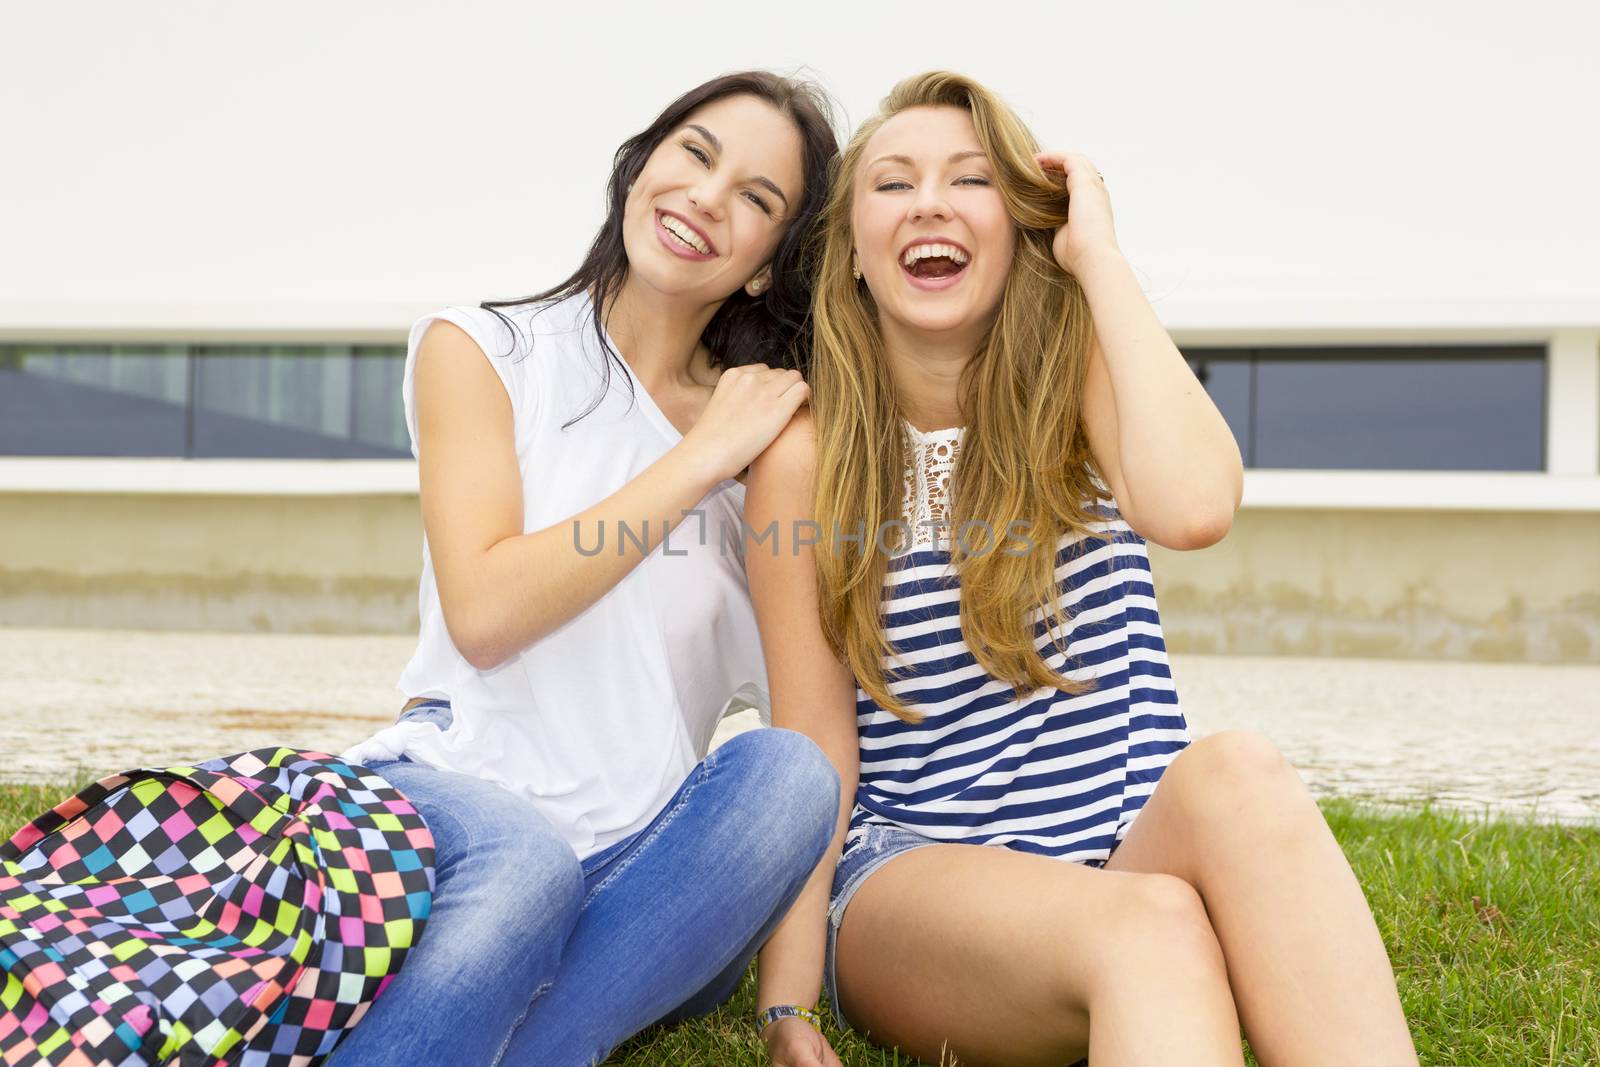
column 1089, row 226
column 748, row 408
column 796, row 1043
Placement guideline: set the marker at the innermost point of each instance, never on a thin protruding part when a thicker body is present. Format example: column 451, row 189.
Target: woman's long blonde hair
column 1023, row 457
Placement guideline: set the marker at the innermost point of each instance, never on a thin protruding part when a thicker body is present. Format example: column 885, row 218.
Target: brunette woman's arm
column 501, row 589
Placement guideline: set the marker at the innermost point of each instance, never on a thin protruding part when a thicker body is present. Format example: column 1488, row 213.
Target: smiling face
column 705, row 214
column 932, row 234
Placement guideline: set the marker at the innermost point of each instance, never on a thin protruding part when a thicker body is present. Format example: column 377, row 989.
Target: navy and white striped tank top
column 1051, row 773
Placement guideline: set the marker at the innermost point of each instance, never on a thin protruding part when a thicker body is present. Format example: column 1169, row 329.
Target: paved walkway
column 1506, row 738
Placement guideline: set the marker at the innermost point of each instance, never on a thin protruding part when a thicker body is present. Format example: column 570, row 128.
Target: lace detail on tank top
column 925, row 505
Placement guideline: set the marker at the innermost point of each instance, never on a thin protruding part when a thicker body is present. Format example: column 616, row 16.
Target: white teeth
column 684, row 234
column 930, row 251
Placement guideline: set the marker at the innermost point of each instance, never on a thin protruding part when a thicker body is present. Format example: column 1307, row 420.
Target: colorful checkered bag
column 246, row 910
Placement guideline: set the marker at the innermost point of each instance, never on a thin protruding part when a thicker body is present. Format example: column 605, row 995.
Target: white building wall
column 190, row 168
column 1282, row 173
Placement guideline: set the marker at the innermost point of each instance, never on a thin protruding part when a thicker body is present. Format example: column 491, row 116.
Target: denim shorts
column 877, row 845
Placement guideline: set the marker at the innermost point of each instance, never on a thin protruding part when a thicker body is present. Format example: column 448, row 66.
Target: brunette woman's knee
column 790, row 785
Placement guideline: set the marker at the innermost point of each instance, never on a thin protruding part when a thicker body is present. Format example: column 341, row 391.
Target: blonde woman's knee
column 1156, row 920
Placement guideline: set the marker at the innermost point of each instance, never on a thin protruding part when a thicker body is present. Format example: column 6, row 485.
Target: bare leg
column 1002, row 957
column 1309, row 971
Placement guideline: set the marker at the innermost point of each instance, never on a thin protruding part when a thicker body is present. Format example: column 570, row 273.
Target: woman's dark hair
column 774, row 328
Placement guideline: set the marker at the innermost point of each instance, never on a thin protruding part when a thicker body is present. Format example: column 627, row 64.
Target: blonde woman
column 1032, row 862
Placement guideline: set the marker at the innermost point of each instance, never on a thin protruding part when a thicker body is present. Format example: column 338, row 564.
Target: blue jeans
column 530, row 956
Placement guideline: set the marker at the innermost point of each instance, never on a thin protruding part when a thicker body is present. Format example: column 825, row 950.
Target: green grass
column 1493, row 927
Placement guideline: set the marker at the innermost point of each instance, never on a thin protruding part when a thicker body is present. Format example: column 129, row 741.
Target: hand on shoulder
column 748, row 408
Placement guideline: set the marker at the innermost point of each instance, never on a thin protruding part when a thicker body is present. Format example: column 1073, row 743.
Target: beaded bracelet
column 785, row 1011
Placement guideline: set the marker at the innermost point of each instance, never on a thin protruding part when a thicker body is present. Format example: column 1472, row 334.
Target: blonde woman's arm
column 812, row 692
column 1164, row 449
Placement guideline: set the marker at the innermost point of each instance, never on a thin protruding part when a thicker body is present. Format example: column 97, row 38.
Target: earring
column 756, row 285
column 855, row 267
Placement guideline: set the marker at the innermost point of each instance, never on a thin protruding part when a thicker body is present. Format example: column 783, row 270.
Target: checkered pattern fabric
column 246, row 910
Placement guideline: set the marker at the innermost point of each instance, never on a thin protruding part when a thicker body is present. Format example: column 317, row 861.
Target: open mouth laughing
column 934, row 262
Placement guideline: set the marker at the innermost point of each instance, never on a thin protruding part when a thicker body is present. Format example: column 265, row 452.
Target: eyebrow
column 716, row 143
column 716, row 146
column 908, row 161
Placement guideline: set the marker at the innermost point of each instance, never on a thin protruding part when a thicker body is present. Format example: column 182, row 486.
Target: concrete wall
column 1412, row 584
column 1431, row 584
column 298, row 564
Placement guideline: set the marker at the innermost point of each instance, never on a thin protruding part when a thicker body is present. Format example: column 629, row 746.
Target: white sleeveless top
column 599, row 722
